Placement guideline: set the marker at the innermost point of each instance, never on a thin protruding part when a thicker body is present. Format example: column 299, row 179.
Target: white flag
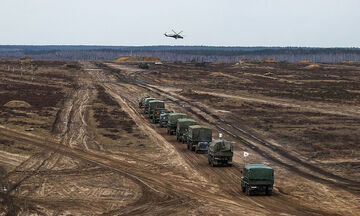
column 220, row 135
column 246, row 154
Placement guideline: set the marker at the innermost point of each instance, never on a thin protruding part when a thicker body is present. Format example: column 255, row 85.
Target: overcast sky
column 319, row 23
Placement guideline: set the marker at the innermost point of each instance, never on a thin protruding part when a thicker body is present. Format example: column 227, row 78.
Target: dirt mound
column 304, row 62
column 16, row 104
column 349, row 62
column 269, row 60
column 187, row 91
column 312, row 66
column 26, row 59
column 136, row 59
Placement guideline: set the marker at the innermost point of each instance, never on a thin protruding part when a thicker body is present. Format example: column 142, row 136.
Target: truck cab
column 157, row 113
column 172, row 121
column 257, row 178
column 141, row 101
column 163, row 119
column 146, row 104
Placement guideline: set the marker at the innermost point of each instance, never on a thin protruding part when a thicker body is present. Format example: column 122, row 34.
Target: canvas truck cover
column 173, row 117
column 147, row 100
column 200, row 133
column 155, row 104
column 221, row 148
column 183, row 123
column 258, row 172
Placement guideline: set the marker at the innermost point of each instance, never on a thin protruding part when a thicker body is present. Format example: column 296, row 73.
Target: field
column 74, row 142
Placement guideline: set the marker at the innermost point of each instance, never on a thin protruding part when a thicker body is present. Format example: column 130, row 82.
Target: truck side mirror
column 241, row 171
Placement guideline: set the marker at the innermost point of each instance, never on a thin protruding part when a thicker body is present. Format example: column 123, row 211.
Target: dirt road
column 105, row 158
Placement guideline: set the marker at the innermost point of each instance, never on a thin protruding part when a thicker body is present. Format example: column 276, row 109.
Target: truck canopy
column 155, row 104
column 147, row 100
column 258, row 172
column 173, row 117
column 183, row 123
column 200, row 133
column 221, row 147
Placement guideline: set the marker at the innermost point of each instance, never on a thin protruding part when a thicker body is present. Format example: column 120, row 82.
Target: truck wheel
column 212, row 163
column 248, row 191
column 268, row 192
column 188, row 147
column 243, row 189
column 208, row 159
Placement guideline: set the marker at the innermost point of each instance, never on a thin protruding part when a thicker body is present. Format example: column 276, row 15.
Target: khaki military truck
column 220, row 153
column 157, row 113
column 141, row 102
column 198, row 138
column 146, row 104
column 257, row 178
column 182, row 126
column 172, row 121
column 155, row 104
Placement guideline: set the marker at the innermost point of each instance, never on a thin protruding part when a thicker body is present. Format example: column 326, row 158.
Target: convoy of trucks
column 256, row 177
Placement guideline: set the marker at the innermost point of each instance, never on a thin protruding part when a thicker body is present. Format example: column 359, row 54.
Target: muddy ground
column 81, row 146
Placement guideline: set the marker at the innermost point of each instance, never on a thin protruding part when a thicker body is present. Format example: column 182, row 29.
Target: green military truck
column 141, row 101
column 220, row 153
column 182, row 126
column 198, row 138
column 257, row 177
column 155, row 104
column 157, row 113
column 146, row 104
column 172, row 121
column 164, row 119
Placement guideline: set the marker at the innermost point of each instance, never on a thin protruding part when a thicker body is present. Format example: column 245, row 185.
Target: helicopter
column 175, row 35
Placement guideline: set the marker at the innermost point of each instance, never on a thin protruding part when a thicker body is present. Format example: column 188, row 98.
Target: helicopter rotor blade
column 174, row 32
column 180, row 32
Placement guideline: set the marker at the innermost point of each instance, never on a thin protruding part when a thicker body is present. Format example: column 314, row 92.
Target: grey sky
column 320, row 23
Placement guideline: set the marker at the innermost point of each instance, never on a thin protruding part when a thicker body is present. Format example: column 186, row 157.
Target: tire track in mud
column 342, row 183
column 156, row 191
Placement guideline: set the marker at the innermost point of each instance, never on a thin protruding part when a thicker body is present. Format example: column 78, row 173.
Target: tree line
column 182, row 53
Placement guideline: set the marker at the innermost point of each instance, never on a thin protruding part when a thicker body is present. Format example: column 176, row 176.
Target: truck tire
column 188, row 147
column 268, row 192
column 248, row 191
column 243, row 189
column 212, row 163
column 208, row 159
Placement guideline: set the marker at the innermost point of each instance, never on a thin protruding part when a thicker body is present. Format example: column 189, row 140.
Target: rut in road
column 157, row 190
